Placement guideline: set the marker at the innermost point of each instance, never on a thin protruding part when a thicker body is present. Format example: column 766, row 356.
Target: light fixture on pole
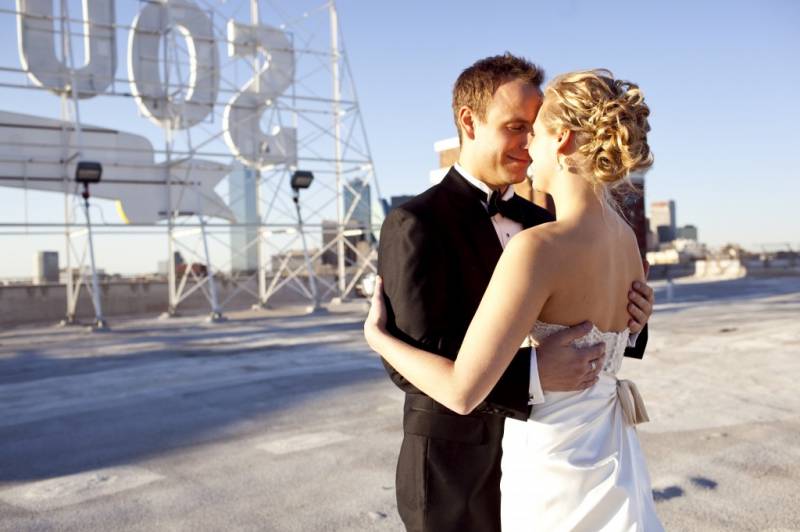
column 86, row 173
column 302, row 179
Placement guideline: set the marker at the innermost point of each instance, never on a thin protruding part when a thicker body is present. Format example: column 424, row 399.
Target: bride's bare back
column 594, row 267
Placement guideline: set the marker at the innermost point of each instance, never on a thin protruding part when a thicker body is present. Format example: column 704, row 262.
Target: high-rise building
column 396, row 201
column 688, row 232
column 662, row 220
column 45, row 267
column 362, row 212
column 243, row 199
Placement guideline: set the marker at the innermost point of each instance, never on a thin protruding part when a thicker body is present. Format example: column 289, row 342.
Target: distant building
column 294, row 259
column 667, row 256
column 690, row 249
column 243, row 200
column 679, row 252
column 45, row 267
column 652, row 238
column 665, row 234
column 77, row 273
column 662, row 220
column 359, row 193
column 688, row 232
column 162, row 266
column 448, row 151
column 353, row 234
column 396, row 201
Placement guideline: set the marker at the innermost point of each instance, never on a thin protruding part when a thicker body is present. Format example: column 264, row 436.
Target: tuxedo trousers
column 448, row 472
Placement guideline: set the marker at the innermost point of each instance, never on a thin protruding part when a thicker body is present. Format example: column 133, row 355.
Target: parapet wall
column 725, row 269
column 23, row 304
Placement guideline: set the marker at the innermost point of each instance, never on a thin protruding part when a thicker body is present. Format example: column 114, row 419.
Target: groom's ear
column 466, row 119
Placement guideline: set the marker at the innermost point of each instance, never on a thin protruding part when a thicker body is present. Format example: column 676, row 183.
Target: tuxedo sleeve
column 415, row 271
column 414, row 282
column 641, row 343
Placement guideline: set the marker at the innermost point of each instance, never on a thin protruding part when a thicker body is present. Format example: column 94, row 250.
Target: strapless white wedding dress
column 576, row 464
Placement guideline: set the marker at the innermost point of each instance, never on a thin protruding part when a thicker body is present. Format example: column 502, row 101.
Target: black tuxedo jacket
column 437, row 254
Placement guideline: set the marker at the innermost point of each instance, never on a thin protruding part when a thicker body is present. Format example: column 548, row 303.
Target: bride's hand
column 375, row 324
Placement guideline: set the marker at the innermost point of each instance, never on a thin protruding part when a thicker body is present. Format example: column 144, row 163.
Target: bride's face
column 543, row 150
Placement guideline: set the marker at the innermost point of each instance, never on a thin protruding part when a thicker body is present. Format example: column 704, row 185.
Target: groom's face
column 501, row 140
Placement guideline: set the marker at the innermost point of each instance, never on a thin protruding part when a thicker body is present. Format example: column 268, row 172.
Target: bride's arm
column 506, row 315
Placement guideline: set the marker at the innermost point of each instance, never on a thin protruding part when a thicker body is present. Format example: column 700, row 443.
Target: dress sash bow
column 632, row 403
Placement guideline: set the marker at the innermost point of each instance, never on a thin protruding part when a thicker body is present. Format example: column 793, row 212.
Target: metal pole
column 334, row 19
column 255, row 19
column 69, row 319
column 172, row 305
column 311, row 277
column 216, row 314
column 100, row 322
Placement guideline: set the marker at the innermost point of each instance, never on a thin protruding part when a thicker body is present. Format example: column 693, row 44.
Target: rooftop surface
column 288, row 422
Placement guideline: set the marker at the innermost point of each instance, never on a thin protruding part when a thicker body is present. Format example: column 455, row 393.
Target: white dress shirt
column 506, row 229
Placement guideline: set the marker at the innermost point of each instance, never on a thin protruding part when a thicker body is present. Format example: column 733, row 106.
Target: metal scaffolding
column 297, row 110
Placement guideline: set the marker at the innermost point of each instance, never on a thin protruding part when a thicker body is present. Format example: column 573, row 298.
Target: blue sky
column 721, row 79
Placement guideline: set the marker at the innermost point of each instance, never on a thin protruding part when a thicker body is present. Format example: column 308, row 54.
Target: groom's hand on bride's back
column 564, row 367
column 640, row 302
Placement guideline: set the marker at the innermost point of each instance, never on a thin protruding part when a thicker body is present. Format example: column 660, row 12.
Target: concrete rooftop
column 288, row 422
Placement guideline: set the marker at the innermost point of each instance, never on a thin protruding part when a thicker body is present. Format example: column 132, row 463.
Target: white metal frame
column 321, row 119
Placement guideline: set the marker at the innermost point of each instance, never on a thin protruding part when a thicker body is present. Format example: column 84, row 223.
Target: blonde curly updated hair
column 608, row 118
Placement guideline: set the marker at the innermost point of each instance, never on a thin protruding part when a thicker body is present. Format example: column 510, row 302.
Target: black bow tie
column 497, row 205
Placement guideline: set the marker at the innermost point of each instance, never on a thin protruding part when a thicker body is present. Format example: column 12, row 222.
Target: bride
column 576, row 463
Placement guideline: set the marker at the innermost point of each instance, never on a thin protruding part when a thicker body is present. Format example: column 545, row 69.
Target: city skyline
column 705, row 69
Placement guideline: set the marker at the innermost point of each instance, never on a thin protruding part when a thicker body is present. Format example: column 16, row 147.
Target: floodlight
column 88, row 172
column 301, row 179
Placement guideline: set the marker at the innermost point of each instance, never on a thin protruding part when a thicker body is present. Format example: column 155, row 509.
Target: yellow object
column 121, row 212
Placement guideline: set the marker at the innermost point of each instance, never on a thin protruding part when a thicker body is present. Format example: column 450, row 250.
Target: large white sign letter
column 147, row 32
column 240, row 122
column 37, row 52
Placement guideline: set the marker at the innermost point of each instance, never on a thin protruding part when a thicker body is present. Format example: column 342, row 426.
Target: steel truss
column 321, row 105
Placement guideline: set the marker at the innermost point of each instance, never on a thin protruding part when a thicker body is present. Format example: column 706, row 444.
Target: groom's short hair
column 477, row 84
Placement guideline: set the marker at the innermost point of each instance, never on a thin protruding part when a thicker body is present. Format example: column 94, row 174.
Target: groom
column 437, row 253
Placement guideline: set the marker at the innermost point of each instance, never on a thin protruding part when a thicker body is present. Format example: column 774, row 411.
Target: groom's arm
column 415, row 271
column 511, row 395
column 414, row 282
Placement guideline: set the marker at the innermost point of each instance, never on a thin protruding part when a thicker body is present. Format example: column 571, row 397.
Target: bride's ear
column 564, row 140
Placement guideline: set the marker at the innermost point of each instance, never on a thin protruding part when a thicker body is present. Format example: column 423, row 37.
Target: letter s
column 242, row 115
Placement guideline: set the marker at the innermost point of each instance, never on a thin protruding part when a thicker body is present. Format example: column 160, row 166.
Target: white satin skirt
column 576, row 465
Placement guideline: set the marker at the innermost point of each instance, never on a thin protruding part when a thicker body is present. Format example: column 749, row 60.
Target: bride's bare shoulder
column 554, row 237
column 542, row 245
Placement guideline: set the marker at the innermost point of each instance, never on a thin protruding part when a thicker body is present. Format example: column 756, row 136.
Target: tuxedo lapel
column 474, row 221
